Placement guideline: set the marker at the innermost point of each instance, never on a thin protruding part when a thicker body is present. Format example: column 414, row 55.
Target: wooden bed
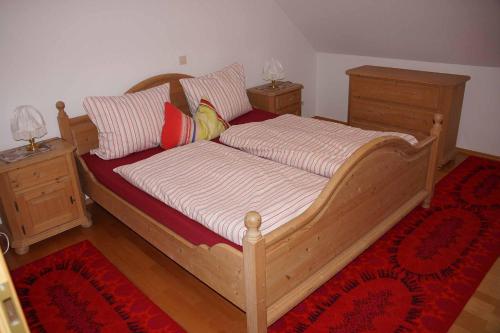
column 374, row 189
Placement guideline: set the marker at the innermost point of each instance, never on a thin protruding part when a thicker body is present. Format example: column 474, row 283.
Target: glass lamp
column 273, row 71
column 27, row 124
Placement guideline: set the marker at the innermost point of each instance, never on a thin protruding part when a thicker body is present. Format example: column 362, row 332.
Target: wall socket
column 183, row 60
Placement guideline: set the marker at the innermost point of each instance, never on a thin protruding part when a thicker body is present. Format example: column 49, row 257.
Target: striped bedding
column 217, row 185
column 316, row 146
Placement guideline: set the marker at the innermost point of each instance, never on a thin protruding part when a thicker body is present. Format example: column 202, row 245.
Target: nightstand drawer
column 43, row 172
column 287, row 99
column 292, row 109
column 395, row 91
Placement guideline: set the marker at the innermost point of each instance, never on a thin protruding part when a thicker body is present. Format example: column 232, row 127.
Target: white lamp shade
column 27, row 123
column 273, row 70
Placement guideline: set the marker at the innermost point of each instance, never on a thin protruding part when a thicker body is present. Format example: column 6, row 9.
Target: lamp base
column 274, row 84
column 32, row 146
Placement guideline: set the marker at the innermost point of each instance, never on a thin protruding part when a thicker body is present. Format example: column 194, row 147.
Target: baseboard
column 330, row 119
column 478, row 154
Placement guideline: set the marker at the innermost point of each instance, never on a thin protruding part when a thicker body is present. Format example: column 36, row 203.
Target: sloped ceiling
column 448, row 31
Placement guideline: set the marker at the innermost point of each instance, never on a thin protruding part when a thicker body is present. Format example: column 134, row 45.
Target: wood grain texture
column 401, row 100
column 198, row 308
column 464, row 151
column 184, row 297
column 254, row 259
column 423, row 77
column 364, row 186
column 286, row 98
column 482, row 312
column 41, row 195
column 177, row 96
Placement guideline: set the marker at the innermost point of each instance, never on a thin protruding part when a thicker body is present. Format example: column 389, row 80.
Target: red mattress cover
column 179, row 223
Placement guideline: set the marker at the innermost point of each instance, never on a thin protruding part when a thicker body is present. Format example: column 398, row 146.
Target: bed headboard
column 82, row 133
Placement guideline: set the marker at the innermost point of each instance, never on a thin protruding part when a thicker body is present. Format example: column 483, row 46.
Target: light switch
column 182, row 60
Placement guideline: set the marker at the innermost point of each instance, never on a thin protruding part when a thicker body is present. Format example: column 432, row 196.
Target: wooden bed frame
column 374, row 189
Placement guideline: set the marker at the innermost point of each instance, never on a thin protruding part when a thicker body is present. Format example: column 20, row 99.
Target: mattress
column 182, row 225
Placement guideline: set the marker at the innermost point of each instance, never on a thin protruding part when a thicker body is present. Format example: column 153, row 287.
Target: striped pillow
column 128, row 123
column 224, row 88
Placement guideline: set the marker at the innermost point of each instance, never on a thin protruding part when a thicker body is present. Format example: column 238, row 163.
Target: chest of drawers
column 393, row 99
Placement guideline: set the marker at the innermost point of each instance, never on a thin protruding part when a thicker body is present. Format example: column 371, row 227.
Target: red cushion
column 178, row 128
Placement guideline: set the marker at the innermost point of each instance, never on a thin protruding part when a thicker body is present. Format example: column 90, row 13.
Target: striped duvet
column 309, row 144
column 217, row 185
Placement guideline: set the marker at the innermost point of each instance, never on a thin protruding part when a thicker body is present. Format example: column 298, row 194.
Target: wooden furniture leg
column 431, row 171
column 22, row 250
column 88, row 223
column 254, row 260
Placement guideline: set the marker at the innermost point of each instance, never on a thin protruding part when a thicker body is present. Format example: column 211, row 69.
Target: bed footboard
column 381, row 183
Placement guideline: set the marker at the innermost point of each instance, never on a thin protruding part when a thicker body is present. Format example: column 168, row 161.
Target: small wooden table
column 41, row 196
column 285, row 98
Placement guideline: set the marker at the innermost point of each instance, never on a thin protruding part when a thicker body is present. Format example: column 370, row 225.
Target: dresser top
column 409, row 75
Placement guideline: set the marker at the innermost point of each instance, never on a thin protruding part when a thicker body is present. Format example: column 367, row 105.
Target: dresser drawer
column 401, row 118
column 287, row 99
column 426, row 96
column 40, row 173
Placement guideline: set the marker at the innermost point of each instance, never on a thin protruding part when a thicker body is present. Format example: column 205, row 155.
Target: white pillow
column 128, row 123
column 225, row 89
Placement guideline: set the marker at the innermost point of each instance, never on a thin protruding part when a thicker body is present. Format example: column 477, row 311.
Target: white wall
column 480, row 120
column 68, row 49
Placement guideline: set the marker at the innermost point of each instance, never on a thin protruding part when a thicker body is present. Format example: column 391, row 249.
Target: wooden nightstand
column 40, row 196
column 286, row 98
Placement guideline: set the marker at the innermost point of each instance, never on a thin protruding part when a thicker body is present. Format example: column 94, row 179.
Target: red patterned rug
column 78, row 290
column 419, row 275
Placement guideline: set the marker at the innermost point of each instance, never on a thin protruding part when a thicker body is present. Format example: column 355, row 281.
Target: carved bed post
column 254, row 263
column 63, row 120
column 431, row 171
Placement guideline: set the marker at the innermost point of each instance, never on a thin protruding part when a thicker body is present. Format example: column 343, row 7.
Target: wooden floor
column 194, row 305
column 482, row 313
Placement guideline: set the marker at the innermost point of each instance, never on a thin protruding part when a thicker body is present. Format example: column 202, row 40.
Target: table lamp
column 273, row 71
column 27, row 124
